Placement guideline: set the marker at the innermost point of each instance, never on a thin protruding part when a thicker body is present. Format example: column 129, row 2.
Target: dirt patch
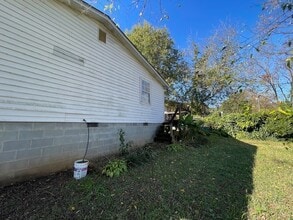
column 25, row 199
column 22, row 199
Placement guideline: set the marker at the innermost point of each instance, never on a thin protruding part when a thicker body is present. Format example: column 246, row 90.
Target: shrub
column 280, row 125
column 260, row 125
column 115, row 168
column 191, row 128
column 250, row 122
column 140, row 156
column 222, row 125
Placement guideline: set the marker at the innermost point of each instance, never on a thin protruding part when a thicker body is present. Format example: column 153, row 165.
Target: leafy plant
column 124, row 146
column 191, row 129
column 115, row 167
column 186, row 126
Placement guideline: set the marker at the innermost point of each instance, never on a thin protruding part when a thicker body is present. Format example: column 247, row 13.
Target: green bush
column 250, row 122
column 191, row 128
column 222, row 124
column 260, row 125
column 261, row 134
column 115, row 167
column 280, row 125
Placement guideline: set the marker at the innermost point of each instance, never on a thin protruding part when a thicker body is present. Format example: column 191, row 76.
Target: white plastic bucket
column 80, row 168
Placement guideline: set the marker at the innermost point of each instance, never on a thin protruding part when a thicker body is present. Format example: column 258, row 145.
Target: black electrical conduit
column 88, row 140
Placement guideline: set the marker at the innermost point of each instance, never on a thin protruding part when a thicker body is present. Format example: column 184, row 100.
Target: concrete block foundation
column 30, row 149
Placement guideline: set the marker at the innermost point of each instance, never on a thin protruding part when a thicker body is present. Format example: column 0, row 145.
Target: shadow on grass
column 226, row 179
column 208, row 182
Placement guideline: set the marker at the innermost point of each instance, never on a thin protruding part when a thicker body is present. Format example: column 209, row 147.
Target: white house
column 62, row 61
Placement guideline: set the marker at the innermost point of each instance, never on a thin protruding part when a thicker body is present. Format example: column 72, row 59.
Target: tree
column 141, row 6
column 276, row 20
column 269, row 73
column 215, row 69
column 270, row 64
column 247, row 101
column 158, row 48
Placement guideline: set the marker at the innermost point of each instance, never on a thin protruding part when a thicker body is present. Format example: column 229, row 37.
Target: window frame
column 145, row 91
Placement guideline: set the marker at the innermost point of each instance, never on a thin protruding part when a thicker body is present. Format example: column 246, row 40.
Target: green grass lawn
column 226, row 179
column 272, row 196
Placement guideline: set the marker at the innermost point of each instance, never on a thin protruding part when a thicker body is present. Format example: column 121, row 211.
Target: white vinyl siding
column 67, row 55
column 37, row 85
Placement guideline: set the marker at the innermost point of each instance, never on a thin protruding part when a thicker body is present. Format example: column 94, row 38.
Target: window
column 102, row 36
column 145, row 92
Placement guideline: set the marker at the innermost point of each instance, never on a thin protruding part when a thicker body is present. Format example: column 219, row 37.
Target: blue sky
column 188, row 19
